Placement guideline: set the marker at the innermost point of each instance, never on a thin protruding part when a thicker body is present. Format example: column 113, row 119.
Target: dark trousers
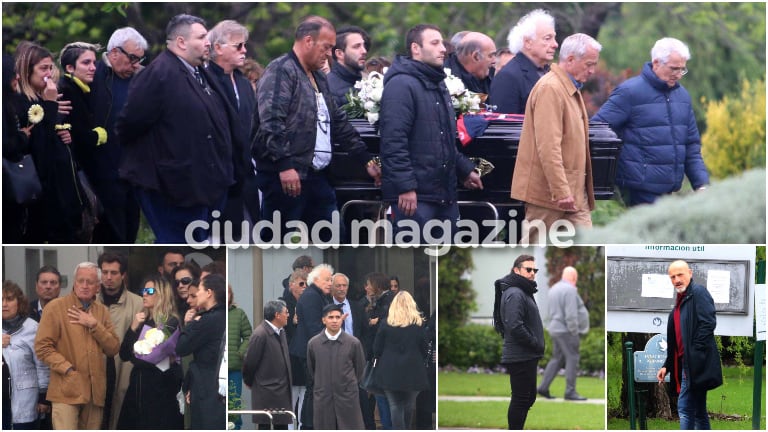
column 522, row 381
column 119, row 222
column 169, row 222
column 307, row 408
column 367, row 410
column 316, row 203
column 432, row 219
column 401, row 405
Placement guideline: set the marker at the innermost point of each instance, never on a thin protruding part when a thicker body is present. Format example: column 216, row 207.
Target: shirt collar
column 576, row 83
column 333, row 338
column 274, row 327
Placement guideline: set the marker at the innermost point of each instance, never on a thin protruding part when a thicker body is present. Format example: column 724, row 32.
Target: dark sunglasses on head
column 184, row 281
column 148, row 291
column 530, row 269
column 131, row 57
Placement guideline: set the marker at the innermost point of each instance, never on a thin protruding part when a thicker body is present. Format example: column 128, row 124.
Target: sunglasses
column 131, row 57
column 237, row 46
column 148, row 291
column 184, row 281
column 302, row 284
column 530, row 269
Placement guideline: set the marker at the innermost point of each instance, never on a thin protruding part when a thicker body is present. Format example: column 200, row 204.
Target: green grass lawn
column 465, row 384
column 734, row 397
column 493, row 415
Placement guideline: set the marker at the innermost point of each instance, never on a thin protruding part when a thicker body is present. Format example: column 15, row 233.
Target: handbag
column 23, row 184
column 369, row 382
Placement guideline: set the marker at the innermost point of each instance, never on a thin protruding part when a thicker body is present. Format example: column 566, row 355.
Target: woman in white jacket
column 29, row 376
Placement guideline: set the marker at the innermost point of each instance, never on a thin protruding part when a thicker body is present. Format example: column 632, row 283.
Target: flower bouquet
column 156, row 346
column 364, row 99
column 464, row 101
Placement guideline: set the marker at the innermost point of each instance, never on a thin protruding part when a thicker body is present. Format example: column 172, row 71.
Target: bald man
column 568, row 319
column 473, row 61
column 692, row 357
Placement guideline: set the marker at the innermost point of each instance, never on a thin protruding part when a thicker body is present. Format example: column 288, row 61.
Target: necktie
column 199, row 77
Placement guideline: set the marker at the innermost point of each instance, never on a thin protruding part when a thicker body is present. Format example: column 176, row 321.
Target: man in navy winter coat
column 653, row 114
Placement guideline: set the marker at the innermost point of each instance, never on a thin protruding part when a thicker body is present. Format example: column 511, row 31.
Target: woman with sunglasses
column 182, row 277
column 57, row 216
column 150, row 402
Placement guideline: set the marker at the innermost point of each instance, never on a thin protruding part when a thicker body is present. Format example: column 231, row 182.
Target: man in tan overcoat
column 553, row 172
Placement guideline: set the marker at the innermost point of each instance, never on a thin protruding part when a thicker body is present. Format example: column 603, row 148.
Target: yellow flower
column 35, row 114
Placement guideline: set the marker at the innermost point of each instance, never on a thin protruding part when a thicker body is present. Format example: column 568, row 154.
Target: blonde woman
column 150, row 402
column 400, row 349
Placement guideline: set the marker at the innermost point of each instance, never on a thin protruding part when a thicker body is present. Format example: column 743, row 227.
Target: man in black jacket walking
column 692, row 355
column 516, row 318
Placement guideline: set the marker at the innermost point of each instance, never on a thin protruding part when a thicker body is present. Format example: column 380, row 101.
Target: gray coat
column 267, row 371
column 567, row 313
column 29, row 375
column 336, row 367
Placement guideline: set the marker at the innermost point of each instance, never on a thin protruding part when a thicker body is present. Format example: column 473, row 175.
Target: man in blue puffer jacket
column 653, row 115
column 420, row 161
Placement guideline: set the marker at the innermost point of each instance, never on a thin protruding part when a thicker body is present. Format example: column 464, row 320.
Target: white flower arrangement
column 364, row 99
column 35, row 114
column 152, row 338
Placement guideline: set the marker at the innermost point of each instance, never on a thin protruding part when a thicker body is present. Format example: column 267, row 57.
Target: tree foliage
column 456, row 299
column 735, row 137
column 590, row 263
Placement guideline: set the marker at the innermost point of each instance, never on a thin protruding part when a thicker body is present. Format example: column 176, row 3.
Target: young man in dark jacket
column 516, row 317
column 420, row 162
column 297, row 119
column 692, row 357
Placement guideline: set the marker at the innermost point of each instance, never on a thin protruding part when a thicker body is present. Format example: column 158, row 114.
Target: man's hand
column 407, row 203
column 473, row 181
column 567, row 203
column 65, row 106
column 661, row 374
column 79, row 316
column 291, row 182
column 375, row 172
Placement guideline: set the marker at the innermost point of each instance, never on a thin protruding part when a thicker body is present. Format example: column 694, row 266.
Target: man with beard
column 420, row 162
column 516, row 318
column 692, row 358
column 177, row 135
column 352, row 45
column 123, row 305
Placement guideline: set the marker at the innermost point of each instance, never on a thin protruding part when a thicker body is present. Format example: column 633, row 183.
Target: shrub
column 470, row 345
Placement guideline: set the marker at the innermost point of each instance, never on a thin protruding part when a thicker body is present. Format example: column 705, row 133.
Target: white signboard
column 657, row 285
column 718, row 283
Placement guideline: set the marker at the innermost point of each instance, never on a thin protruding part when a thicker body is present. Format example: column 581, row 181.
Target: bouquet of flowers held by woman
column 157, row 345
column 364, row 99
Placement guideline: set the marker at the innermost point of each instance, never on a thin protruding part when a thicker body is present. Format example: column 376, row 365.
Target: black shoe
column 576, row 397
column 545, row 394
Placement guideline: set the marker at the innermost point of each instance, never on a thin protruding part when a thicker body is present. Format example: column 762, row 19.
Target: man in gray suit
column 568, row 320
column 267, row 367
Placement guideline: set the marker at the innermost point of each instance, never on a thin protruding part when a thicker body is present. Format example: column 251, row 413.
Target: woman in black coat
column 150, row 401
column 400, row 349
column 14, row 148
column 380, row 297
column 57, row 217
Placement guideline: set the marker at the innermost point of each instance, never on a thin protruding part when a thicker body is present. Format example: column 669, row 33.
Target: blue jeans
column 169, row 222
column 236, row 388
column 384, row 413
column 316, row 203
column 401, row 404
column 425, row 212
column 692, row 406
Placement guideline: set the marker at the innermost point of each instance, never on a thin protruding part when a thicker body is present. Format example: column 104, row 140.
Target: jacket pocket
column 72, row 386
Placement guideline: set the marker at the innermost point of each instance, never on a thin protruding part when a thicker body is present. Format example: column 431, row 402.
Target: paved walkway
column 506, row 399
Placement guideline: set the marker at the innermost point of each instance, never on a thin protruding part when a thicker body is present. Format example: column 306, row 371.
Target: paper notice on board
column 657, row 285
column 719, row 285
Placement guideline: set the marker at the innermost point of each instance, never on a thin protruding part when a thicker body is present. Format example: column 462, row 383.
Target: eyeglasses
column 302, row 284
column 148, row 291
column 678, row 70
column 530, row 269
column 237, row 46
column 132, row 57
column 184, row 281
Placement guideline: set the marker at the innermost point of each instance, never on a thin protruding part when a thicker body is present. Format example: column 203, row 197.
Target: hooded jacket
column 523, row 329
column 418, row 134
column 661, row 139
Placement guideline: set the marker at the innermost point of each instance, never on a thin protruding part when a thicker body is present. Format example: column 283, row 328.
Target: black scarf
column 13, row 325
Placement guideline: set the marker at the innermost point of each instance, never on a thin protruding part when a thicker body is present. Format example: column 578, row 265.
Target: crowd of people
column 309, row 354
column 111, row 136
column 104, row 357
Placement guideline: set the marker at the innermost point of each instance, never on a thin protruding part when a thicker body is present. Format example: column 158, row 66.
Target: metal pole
column 757, row 383
column 630, row 383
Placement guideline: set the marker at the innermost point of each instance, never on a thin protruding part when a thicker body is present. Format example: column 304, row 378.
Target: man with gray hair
column 473, row 61
column 568, row 320
column 267, row 368
column 653, row 114
column 119, row 223
column 228, row 49
column 532, row 42
column 553, row 172
column 75, row 334
column 177, row 136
